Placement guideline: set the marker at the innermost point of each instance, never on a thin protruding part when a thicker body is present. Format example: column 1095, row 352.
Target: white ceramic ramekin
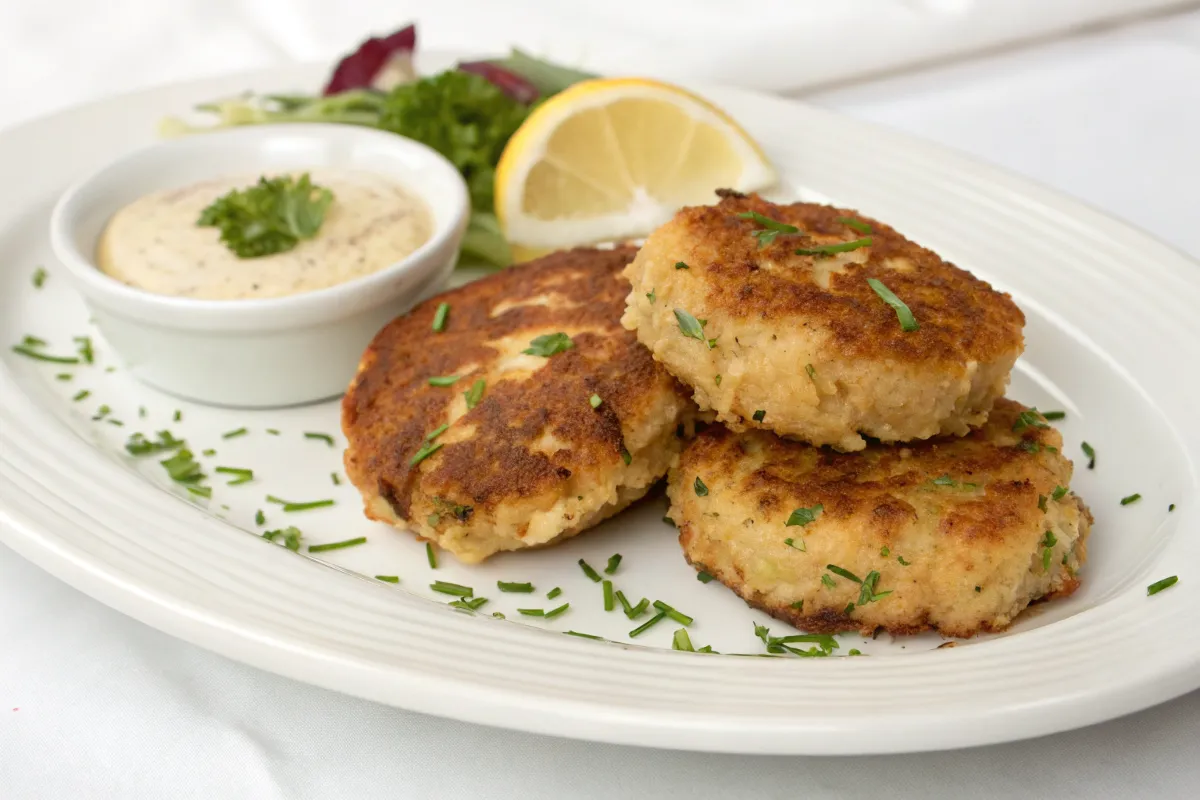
column 257, row 353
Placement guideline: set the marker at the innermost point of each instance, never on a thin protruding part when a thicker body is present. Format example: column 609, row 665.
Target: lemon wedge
column 612, row 159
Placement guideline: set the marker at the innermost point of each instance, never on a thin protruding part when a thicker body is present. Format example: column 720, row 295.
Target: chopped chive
column 885, row 551
column 701, row 489
column 1058, row 493
column 587, row 570
column 33, row 341
column 553, row 593
column 202, row 491
column 498, row 615
column 845, row 573
column 1029, row 419
column 903, row 563
column 908, row 322
column 549, row 344
column 609, row 600
column 457, row 589
column 273, row 431
column 798, row 605
column 678, row 616
column 624, row 601
column 1171, row 507
column 584, row 635
column 639, row 609
column 1042, row 503
column 424, row 453
column 505, row 586
column 856, row 224
column 178, row 415
column 307, row 506
column 436, row 432
column 651, row 296
column 804, row 516
column 432, row 556
column 182, row 468
column 208, row 453
column 625, row 456
column 234, row 434
column 868, row 594
column 241, row 475
column 333, row 476
column 532, row 612
column 771, row 228
column 688, row 325
column 259, row 517
column 830, row 249
column 657, row 618
column 39, row 277
column 554, row 612
column 796, row 544
column 594, row 401
column 388, row 578
column 680, row 265
column 811, row 370
column 444, row 380
column 1158, row 586
column 1054, row 415
column 681, row 641
column 321, row 548
column 29, row 352
column 116, row 422
column 717, row 379
column 1090, row 453
column 704, row 577
column 439, row 317
column 1133, row 498
column 64, row 376
column 141, row 411
column 291, row 537
column 614, row 561
column 101, row 412
column 83, row 395
column 277, row 500
column 83, row 344
column 475, row 393
column 324, row 437
column 760, row 415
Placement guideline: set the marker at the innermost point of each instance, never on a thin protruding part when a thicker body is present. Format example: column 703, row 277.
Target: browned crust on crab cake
column 806, row 339
column 533, row 462
column 969, row 517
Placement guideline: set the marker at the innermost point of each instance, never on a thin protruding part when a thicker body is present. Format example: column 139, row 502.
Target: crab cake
column 783, row 330
column 521, row 416
column 958, row 535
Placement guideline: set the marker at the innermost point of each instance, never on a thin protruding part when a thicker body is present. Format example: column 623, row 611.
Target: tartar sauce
column 154, row 243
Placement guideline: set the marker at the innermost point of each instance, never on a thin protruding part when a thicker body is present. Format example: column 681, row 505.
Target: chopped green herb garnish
column 273, row 431
column 272, row 216
column 324, row 437
column 116, row 422
column 584, row 635
column 796, row 544
column 825, row 644
column 1042, row 503
column 587, row 570
column 903, row 563
column 614, row 561
column 321, row 548
column 475, row 393
column 681, row 641
column 39, row 277
column 1171, row 507
column 657, row 618
column 388, row 578
column 701, row 489
column 532, row 612
column 1133, row 498
column 1058, row 493
column 506, row 586
column 83, row 344
column 717, row 379
column 594, row 401
column 291, row 537
column 434, row 519
column 798, row 605
column 259, row 517
column 424, row 453
column 431, row 555
column 885, row 551
column 439, row 317
column 651, row 296
column 456, row 589
column 845, row 573
column 471, row 604
column 553, row 593
column 83, row 395
column 639, row 609
column 868, row 594
column 804, row 516
column 827, row 580
column 856, row 224
column 771, row 228
column 208, row 453
column 178, row 415
column 241, row 475
column 1090, row 453
column 202, row 491
column 444, row 380
column 830, row 249
column 811, row 370
column 498, row 615
column 30, row 351
column 669, row 521
column 704, row 577
column 101, row 412
column 680, row 265
column 182, row 468
column 33, row 341
column 907, row 321
column 436, row 432
column 760, row 415
column 64, row 376
column 689, row 325
column 1158, row 586
column 333, row 476
column 1029, row 419
column 307, row 506
column 554, row 612
column 548, row 344
column 625, row 456
column 234, row 434
column 1054, row 415
column 609, row 599
column 277, row 500
column 678, row 616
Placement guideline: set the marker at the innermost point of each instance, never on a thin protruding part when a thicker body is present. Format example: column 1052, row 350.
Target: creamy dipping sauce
column 155, row 244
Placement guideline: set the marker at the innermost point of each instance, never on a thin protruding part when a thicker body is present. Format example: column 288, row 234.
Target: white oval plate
column 1112, row 338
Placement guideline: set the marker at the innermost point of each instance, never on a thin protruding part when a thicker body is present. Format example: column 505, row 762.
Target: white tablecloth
column 94, row 705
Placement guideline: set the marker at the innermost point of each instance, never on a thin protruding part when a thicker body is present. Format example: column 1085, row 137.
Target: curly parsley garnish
column 273, row 216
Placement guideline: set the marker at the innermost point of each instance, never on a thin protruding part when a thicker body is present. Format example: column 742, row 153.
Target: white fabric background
column 94, row 705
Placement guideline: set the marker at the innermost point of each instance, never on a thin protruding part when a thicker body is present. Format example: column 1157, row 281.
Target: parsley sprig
column 273, row 216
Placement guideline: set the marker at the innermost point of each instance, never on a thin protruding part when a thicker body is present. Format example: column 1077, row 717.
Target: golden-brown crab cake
column 958, row 535
column 802, row 344
column 528, row 415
